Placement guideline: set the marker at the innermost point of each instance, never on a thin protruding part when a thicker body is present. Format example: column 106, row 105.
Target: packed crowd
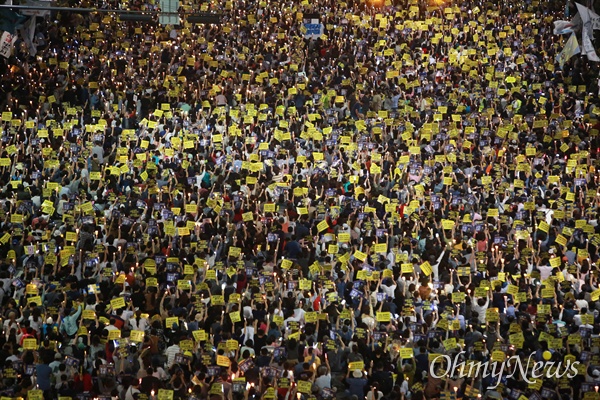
column 236, row 211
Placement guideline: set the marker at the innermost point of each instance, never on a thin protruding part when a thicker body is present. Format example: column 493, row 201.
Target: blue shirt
column 43, row 373
column 357, row 386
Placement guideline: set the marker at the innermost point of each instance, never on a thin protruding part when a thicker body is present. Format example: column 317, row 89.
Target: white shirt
column 248, row 333
column 481, row 310
column 247, row 312
column 171, row 352
column 130, row 392
column 372, row 396
column 143, row 324
column 404, row 387
column 323, row 381
column 545, row 272
column 389, row 290
column 299, row 314
column 35, row 325
column 581, row 304
column 160, row 374
column 369, row 321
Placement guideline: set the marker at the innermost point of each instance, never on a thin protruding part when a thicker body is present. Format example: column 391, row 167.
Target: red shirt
column 86, row 379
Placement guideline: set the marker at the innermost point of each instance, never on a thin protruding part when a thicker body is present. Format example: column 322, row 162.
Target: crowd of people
column 243, row 211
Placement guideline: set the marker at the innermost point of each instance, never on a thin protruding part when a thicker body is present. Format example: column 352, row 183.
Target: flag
column 590, row 21
column 27, row 32
column 6, row 44
column 562, row 27
column 588, row 15
column 587, row 46
column 571, row 48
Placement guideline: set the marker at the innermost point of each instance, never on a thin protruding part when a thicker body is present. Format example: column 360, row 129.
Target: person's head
column 322, row 370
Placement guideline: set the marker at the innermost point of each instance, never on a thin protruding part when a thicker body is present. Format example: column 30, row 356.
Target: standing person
column 69, row 323
column 357, row 383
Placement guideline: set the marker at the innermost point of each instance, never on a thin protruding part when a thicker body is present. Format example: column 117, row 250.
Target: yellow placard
column 223, row 361
column 136, row 336
column 304, row 387
column 323, row 225
column 114, row 334
column 169, row 322
column 117, row 303
column 384, row 316
column 30, row 344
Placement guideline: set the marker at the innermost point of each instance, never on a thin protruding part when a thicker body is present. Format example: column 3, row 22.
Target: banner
column 27, row 32
column 587, row 46
column 590, row 21
column 6, row 44
column 314, row 29
column 588, row 15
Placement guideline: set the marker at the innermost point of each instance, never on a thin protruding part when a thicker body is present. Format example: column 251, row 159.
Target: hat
column 49, row 321
column 357, row 373
column 57, row 356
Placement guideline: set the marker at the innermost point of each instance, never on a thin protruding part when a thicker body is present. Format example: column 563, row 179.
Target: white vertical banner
column 27, row 32
column 6, row 44
column 589, row 19
column 588, row 15
column 587, row 46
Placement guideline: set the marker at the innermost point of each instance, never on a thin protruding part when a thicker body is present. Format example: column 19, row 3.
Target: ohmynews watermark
column 508, row 368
